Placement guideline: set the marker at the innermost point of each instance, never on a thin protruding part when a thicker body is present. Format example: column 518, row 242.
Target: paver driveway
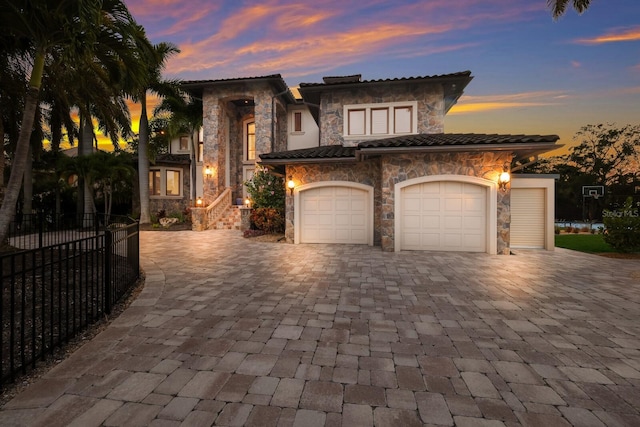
column 233, row 332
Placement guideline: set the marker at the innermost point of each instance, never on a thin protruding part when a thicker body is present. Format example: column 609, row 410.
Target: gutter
column 361, row 153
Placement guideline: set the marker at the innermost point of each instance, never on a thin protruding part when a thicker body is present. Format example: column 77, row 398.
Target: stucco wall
column 428, row 96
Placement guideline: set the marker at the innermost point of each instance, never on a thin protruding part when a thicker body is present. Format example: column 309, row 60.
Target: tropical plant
column 94, row 35
column 185, row 117
column 559, row 7
column 155, row 57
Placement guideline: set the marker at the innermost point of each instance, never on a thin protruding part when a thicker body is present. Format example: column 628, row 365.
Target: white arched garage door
column 443, row 216
column 334, row 214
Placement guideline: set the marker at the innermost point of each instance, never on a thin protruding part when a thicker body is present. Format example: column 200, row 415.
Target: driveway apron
column 230, row 331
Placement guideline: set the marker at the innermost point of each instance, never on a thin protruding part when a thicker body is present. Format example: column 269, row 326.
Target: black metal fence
column 50, row 293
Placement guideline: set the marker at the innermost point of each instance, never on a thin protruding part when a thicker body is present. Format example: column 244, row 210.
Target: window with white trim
column 165, row 182
column 297, row 121
column 184, row 143
column 249, row 141
column 380, row 120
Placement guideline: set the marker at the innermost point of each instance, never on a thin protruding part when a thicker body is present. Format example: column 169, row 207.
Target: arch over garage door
column 333, row 212
column 446, row 213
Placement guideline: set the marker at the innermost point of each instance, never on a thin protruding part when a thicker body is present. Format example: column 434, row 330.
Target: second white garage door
column 528, row 218
column 334, row 214
column 444, row 216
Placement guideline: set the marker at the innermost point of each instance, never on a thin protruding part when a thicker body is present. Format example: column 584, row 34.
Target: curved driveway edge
column 229, row 331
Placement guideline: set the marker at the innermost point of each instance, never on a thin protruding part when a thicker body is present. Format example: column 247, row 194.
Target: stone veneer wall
column 367, row 173
column 430, row 113
column 398, row 168
column 216, row 111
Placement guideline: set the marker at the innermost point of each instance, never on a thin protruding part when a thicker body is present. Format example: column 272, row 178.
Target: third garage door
column 444, row 216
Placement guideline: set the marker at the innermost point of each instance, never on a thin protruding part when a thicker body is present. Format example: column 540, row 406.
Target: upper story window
column 380, row 120
column 250, row 140
column 184, row 143
column 297, row 121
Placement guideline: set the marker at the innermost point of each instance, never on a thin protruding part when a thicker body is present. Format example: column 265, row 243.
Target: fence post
column 40, row 219
column 108, row 263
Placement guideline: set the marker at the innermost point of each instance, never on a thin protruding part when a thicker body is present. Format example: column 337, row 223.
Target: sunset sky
column 532, row 74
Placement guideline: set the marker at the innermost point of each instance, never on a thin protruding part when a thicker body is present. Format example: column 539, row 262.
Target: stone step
column 230, row 220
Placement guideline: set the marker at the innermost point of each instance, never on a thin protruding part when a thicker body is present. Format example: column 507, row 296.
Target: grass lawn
column 592, row 243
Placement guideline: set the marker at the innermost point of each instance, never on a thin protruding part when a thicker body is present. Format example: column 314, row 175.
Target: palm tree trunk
column 1, row 158
column 143, row 162
column 8, row 209
column 27, row 202
column 85, row 147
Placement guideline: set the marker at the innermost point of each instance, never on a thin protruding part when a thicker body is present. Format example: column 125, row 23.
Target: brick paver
column 230, row 331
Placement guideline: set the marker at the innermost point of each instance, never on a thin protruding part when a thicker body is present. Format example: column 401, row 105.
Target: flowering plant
column 266, row 190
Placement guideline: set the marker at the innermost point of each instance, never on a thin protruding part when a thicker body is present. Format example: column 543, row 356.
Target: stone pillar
column 214, row 145
column 264, row 122
column 198, row 219
column 245, row 218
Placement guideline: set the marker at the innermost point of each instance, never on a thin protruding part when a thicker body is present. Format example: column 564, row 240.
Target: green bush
column 266, row 190
column 622, row 228
column 269, row 220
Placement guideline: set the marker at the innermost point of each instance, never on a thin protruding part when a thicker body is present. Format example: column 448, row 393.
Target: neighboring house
column 370, row 163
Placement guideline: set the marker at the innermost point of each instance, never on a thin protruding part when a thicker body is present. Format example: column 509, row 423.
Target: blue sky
column 531, row 74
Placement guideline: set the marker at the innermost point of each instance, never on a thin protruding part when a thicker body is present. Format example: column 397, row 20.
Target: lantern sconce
column 208, row 171
column 247, row 202
column 199, row 202
column 504, row 178
column 291, row 185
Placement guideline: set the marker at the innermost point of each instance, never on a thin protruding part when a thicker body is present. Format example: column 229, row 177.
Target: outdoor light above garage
column 291, row 185
column 504, row 178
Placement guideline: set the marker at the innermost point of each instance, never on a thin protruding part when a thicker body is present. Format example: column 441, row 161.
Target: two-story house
column 368, row 162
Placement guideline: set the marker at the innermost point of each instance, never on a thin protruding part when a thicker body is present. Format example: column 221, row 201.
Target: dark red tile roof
column 347, row 80
column 320, row 153
column 456, row 139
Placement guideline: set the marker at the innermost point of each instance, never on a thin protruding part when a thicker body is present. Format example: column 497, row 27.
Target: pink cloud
column 619, row 35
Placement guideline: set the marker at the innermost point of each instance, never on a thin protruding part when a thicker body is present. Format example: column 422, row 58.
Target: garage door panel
column 528, row 218
column 453, row 217
column 334, row 214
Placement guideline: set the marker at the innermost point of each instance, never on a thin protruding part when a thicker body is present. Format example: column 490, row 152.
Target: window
column 173, row 183
column 297, row 121
column 154, row 183
column 184, row 143
column 165, row 182
column 250, row 148
column 200, row 151
column 380, row 120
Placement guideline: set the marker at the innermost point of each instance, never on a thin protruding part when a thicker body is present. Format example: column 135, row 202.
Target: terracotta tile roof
column 523, row 145
column 276, row 80
column 349, row 80
column 456, row 139
column 327, row 152
column 183, row 159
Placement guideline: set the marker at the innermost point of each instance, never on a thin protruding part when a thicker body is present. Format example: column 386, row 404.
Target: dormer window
column 380, row 120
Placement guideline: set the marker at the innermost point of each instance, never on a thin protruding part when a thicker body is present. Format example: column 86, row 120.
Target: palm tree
column 185, row 117
column 155, row 59
column 77, row 31
column 559, row 7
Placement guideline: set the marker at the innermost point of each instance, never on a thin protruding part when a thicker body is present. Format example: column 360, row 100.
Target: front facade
column 369, row 160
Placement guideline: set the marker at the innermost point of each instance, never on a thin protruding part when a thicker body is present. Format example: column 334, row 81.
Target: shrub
column 575, row 230
column 569, row 229
column 622, row 228
column 557, row 229
column 269, row 220
column 266, row 190
column 585, row 229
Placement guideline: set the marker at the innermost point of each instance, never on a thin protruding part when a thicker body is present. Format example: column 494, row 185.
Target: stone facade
column 223, row 121
column 367, row 173
column 430, row 112
column 401, row 167
column 173, row 204
column 385, row 172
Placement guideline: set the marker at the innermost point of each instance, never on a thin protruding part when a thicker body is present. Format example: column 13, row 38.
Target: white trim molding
column 296, row 204
column 491, row 205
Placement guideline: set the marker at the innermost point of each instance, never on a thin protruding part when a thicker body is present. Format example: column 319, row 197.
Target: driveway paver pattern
column 230, row 331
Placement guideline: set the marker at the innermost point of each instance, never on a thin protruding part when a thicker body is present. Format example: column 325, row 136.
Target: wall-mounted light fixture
column 208, row 171
column 291, row 185
column 504, row 178
column 199, row 202
column 247, row 202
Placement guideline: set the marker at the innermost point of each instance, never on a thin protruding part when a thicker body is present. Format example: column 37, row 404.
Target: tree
column 608, row 154
column 185, row 118
column 559, row 7
column 155, row 58
column 75, row 31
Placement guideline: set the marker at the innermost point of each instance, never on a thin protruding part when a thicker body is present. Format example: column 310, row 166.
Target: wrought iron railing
column 51, row 293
